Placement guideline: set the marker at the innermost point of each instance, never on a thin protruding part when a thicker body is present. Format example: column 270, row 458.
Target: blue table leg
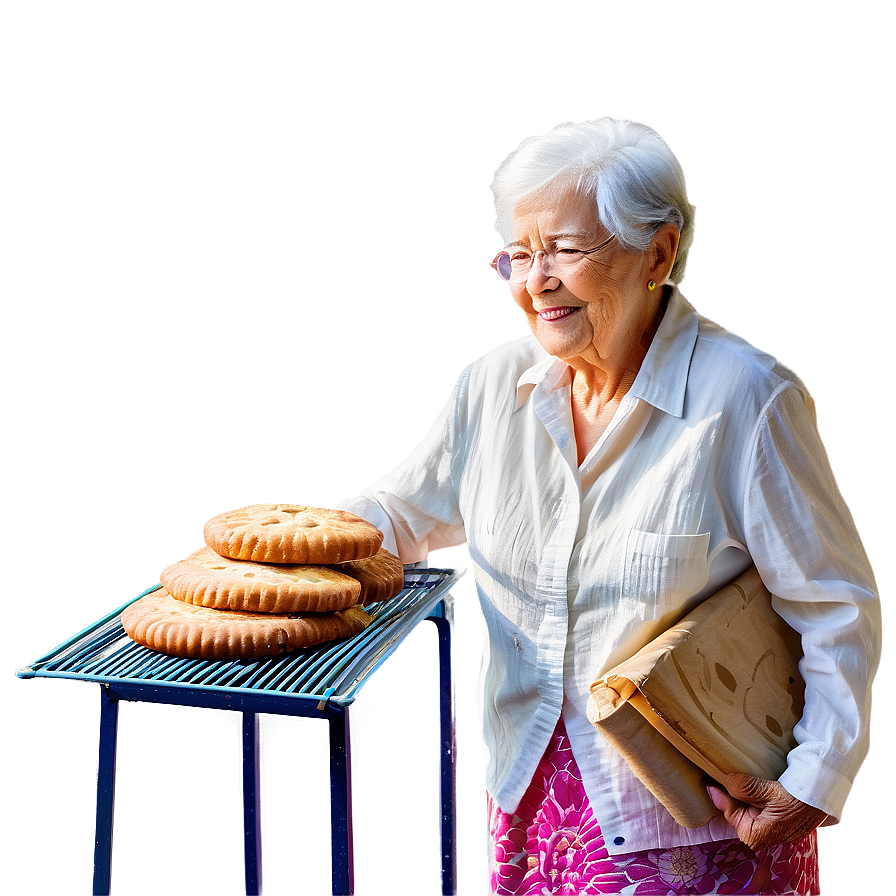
column 443, row 619
column 251, row 812
column 105, row 794
column 343, row 873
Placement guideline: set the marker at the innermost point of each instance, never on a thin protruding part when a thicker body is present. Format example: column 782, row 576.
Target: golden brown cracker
column 164, row 623
column 292, row 533
column 210, row 580
column 381, row 576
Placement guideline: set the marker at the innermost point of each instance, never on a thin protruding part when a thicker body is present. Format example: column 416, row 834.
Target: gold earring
column 651, row 285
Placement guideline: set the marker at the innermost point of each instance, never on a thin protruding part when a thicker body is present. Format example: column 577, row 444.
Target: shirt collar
column 663, row 377
column 530, row 378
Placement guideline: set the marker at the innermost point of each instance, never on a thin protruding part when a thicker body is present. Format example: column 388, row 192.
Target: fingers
column 722, row 800
column 755, row 791
column 740, row 815
column 762, row 812
column 743, row 795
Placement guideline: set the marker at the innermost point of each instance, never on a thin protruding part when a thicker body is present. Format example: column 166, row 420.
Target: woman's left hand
column 763, row 813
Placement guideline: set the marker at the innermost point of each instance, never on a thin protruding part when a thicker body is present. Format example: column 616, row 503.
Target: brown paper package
column 717, row 693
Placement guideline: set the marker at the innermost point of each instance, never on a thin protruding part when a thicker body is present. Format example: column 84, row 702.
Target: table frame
column 329, row 706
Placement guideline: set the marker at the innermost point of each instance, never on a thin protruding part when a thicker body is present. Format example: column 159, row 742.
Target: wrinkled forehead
column 554, row 211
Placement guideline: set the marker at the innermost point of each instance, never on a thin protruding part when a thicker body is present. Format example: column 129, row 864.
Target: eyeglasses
column 516, row 264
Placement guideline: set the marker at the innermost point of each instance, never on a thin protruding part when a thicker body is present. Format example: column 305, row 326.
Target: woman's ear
column 662, row 252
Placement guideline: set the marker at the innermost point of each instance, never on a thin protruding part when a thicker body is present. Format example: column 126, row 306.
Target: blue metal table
column 320, row 682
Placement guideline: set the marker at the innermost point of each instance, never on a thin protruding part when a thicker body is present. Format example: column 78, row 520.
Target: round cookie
column 210, row 580
column 381, row 576
column 164, row 623
column 292, row 533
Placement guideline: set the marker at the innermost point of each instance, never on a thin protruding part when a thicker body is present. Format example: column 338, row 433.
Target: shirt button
column 619, row 840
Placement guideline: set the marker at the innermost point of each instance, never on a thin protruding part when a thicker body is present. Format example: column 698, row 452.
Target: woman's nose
column 540, row 279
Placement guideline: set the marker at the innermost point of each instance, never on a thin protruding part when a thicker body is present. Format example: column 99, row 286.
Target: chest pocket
column 663, row 571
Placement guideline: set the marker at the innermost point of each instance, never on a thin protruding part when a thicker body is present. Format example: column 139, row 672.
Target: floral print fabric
column 553, row 844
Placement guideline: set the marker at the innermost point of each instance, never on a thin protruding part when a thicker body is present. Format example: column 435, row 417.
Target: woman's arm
column 803, row 541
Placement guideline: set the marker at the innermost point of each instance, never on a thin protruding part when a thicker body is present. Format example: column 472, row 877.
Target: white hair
column 635, row 179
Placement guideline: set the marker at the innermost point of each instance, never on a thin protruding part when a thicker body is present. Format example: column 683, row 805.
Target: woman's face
column 595, row 308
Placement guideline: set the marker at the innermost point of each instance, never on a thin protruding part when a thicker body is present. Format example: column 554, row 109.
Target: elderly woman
column 608, row 474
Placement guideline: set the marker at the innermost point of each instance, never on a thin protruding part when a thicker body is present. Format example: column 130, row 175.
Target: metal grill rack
column 320, row 682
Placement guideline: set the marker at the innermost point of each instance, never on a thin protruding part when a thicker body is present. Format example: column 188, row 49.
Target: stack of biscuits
column 272, row 578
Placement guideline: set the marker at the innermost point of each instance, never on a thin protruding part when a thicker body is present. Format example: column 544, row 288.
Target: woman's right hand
column 763, row 813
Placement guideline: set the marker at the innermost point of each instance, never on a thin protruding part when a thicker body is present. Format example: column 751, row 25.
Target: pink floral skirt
column 553, row 844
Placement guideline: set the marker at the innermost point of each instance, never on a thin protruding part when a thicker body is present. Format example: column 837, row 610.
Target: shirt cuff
column 819, row 776
column 372, row 511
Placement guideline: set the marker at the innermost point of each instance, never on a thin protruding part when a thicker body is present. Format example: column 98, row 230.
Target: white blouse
column 711, row 462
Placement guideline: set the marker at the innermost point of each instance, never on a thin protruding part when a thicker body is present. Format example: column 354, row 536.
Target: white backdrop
column 244, row 256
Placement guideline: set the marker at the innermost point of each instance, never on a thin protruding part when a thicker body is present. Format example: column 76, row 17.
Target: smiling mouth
column 552, row 314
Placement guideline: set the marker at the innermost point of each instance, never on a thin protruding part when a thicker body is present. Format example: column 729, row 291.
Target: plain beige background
column 244, row 256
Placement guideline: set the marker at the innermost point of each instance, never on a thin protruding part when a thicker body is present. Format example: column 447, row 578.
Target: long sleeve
column 804, row 543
